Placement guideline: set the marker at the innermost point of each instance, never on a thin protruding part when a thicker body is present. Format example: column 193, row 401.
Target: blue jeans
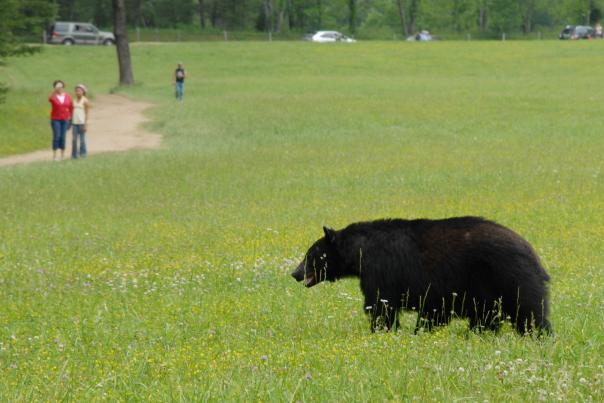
column 78, row 133
column 59, row 132
column 180, row 90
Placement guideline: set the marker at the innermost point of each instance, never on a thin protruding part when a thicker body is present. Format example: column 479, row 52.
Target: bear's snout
column 298, row 274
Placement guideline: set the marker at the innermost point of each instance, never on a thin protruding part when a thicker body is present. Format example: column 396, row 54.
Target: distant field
column 163, row 275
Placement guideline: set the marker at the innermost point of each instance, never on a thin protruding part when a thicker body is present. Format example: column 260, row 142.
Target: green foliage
column 3, row 91
column 163, row 275
column 21, row 20
column 369, row 16
column 505, row 16
column 457, row 15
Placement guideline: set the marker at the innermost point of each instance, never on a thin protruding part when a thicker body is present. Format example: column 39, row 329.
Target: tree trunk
column 140, row 15
column 268, row 15
column 482, row 17
column 121, row 40
column 527, row 16
column 352, row 21
column 70, row 7
column 290, row 14
column 280, row 20
column 284, row 11
column 413, row 13
column 135, row 15
column 402, row 16
column 214, row 14
column 528, row 21
column 202, row 14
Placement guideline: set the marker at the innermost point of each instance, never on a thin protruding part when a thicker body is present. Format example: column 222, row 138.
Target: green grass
column 23, row 128
column 163, row 275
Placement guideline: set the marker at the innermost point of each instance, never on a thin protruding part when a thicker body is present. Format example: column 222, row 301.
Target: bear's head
column 321, row 261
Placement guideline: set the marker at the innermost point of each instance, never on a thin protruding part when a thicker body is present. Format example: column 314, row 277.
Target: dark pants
column 59, row 132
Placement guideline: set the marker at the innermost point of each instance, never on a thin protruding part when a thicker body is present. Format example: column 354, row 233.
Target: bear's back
column 437, row 244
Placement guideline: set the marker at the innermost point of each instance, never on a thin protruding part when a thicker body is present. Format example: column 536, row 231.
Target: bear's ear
column 330, row 234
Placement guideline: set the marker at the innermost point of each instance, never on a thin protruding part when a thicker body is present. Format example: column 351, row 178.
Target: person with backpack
column 179, row 82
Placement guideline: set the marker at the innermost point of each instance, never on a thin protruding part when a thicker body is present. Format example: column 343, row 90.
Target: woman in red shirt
column 60, row 115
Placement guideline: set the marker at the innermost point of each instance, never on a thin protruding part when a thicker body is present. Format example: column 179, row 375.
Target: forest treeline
column 364, row 18
column 486, row 17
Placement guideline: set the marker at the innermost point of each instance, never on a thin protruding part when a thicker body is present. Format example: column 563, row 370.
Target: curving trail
column 115, row 124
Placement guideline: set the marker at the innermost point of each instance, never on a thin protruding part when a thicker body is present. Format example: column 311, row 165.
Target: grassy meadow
column 164, row 275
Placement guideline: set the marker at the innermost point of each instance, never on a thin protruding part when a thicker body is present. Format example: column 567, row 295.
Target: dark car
column 577, row 32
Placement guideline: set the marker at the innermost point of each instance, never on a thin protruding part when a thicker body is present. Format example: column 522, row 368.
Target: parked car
column 423, row 36
column 577, row 32
column 328, row 36
column 78, row 33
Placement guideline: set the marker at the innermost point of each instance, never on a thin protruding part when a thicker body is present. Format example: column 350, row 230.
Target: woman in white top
column 79, row 122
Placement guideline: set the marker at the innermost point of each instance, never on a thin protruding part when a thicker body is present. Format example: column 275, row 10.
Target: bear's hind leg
column 545, row 329
column 486, row 316
column 527, row 322
column 530, row 315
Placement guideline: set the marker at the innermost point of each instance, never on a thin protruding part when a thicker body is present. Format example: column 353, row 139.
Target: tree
column 528, row 11
column 352, row 20
column 402, row 16
column 588, row 11
column 462, row 15
column 19, row 21
column 320, row 13
column 356, row 16
column 283, row 15
column 408, row 14
column 505, row 16
column 593, row 12
column 122, row 46
column 413, row 14
column 268, row 15
column 483, row 15
column 202, row 14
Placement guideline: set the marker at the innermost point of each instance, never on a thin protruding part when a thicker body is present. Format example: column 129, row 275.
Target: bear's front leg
column 382, row 316
column 376, row 321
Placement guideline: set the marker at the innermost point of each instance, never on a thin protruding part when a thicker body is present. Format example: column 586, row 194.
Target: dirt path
column 114, row 125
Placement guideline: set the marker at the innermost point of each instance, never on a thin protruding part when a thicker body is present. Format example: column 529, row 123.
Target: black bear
column 465, row 267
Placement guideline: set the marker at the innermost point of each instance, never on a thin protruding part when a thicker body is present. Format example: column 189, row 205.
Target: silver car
column 78, row 33
column 328, row 36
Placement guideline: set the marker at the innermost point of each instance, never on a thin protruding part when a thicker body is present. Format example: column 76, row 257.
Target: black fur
column 457, row 267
